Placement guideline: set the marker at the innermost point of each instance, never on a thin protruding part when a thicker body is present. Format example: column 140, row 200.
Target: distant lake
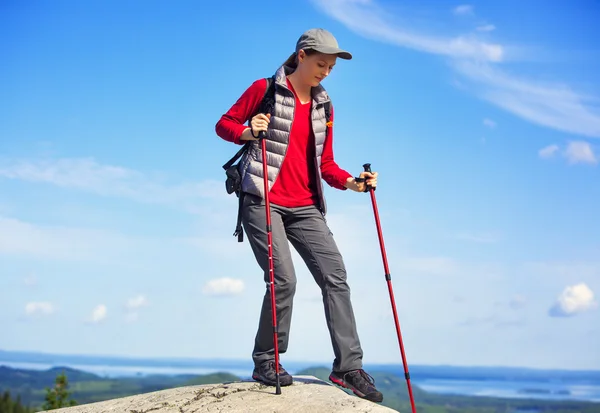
column 534, row 389
column 130, row 371
column 513, row 389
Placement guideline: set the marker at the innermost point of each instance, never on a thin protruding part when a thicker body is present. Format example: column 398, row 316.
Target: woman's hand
column 259, row 123
column 370, row 180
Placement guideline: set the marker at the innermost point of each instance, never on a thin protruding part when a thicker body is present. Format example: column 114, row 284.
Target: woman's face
column 315, row 67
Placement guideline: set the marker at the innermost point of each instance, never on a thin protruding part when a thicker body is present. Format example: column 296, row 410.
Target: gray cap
column 322, row 41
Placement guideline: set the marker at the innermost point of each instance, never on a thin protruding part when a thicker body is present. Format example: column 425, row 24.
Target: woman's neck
column 302, row 89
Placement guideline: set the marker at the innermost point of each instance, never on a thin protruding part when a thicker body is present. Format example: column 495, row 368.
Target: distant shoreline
column 190, row 362
column 504, row 382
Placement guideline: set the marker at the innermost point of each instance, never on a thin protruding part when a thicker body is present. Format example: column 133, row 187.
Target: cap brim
column 343, row 54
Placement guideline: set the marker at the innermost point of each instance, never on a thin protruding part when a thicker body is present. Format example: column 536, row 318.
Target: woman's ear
column 301, row 55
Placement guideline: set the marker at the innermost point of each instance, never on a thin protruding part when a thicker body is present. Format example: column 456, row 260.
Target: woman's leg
column 310, row 235
column 254, row 221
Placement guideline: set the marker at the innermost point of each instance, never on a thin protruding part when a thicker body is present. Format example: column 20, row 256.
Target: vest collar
column 319, row 94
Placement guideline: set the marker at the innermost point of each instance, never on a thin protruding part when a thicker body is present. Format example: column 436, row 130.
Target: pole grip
column 367, row 168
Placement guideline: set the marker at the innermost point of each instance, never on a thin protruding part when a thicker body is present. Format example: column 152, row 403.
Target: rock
column 307, row 395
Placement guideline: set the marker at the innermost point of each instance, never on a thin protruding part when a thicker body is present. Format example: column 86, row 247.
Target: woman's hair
column 292, row 61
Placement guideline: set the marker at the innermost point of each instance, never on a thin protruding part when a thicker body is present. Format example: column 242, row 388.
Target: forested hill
column 85, row 387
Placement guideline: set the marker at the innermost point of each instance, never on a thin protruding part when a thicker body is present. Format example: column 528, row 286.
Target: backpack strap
column 268, row 101
column 235, row 157
column 266, row 106
column 327, row 107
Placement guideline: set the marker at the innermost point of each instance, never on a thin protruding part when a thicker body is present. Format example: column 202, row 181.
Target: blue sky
column 482, row 118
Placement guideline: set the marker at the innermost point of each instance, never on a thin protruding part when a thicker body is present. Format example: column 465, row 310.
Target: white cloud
column 548, row 151
column 44, row 308
column 575, row 152
column 132, row 305
column 486, row 28
column 223, row 286
column 574, row 299
column 489, row 123
column 136, row 302
column 99, row 313
column 463, row 9
column 85, row 174
column 555, row 106
column 580, row 152
column 366, row 18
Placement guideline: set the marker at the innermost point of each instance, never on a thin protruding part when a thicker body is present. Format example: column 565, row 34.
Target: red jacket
column 296, row 183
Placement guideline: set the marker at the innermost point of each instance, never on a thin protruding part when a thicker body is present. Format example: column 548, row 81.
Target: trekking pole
column 388, row 277
column 262, row 137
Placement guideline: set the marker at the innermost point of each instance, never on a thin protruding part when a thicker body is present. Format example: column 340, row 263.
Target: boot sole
column 346, row 385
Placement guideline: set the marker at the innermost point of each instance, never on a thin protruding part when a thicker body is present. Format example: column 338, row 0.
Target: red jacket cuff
column 238, row 131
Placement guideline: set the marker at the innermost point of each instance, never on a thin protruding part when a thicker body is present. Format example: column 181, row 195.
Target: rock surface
column 307, row 395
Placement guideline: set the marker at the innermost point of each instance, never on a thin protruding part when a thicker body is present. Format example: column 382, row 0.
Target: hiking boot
column 265, row 373
column 361, row 383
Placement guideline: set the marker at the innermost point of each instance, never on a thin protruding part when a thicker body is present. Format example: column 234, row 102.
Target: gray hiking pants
column 305, row 228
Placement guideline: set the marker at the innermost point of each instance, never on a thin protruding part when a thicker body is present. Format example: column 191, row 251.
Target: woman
column 299, row 153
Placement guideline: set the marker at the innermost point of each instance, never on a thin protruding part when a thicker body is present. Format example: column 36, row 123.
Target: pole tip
column 278, row 386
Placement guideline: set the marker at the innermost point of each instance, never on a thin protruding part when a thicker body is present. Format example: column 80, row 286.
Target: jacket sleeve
column 332, row 174
column 231, row 125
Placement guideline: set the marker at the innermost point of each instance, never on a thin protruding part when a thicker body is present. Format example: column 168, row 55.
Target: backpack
column 233, row 181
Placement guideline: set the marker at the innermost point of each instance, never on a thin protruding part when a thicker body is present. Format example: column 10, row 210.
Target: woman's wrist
column 247, row 135
column 351, row 184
